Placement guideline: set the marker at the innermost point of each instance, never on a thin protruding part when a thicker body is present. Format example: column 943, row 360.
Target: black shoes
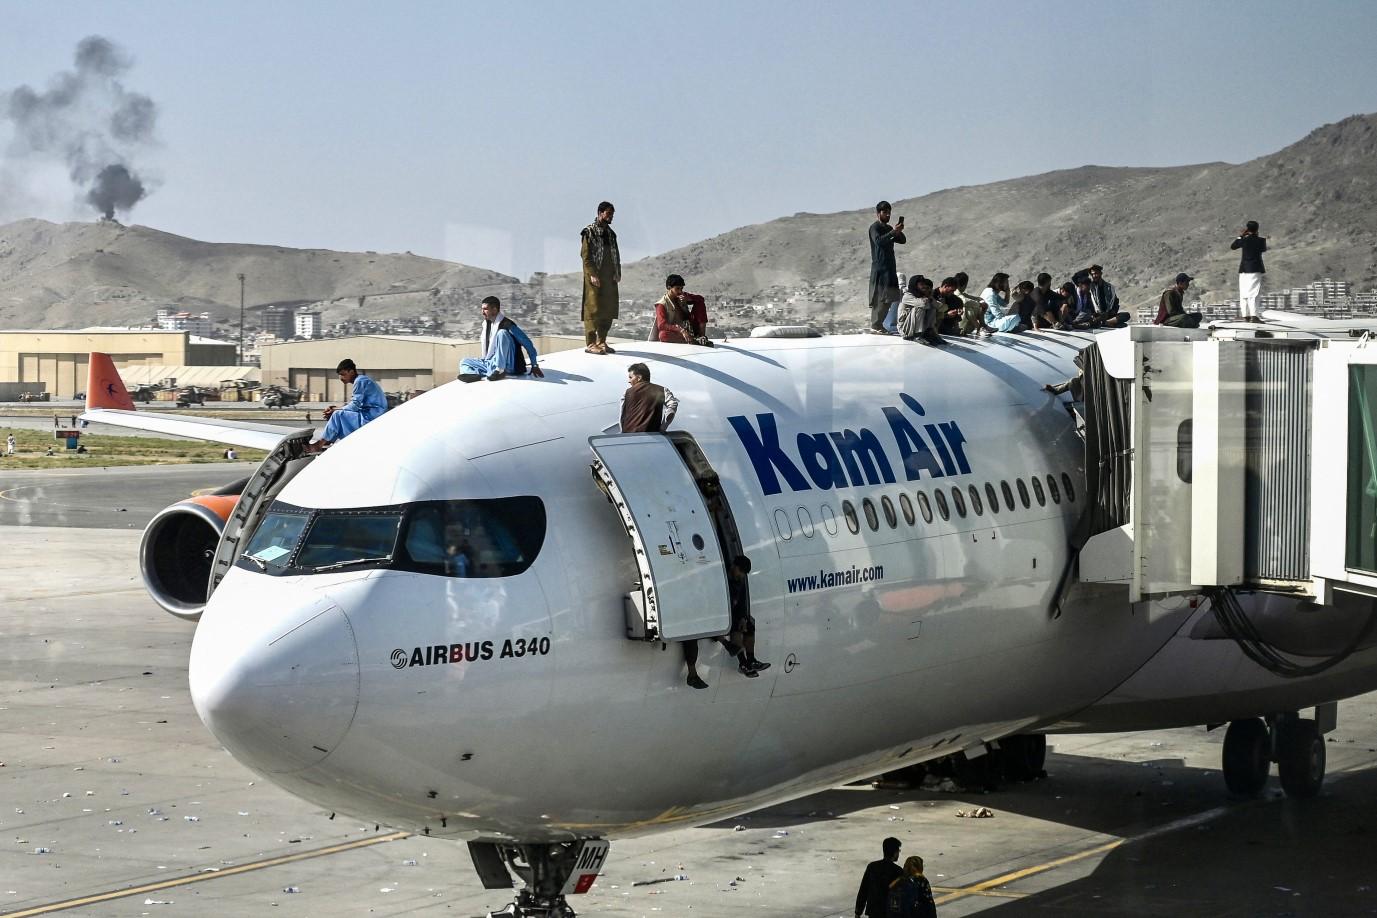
column 469, row 377
column 696, row 681
column 747, row 670
column 758, row 665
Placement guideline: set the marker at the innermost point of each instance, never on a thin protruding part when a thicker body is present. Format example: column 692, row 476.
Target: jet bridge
column 1240, row 457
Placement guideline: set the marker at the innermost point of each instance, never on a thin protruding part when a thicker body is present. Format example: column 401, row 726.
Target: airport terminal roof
column 188, row 376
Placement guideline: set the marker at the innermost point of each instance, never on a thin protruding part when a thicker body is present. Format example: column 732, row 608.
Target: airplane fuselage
column 907, row 512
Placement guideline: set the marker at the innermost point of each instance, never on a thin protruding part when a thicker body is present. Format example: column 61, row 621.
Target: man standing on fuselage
column 884, row 271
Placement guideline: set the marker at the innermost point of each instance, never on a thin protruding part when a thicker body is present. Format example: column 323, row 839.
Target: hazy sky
column 487, row 133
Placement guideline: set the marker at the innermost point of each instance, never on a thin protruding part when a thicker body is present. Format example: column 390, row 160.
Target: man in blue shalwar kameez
column 368, row 402
column 503, row 341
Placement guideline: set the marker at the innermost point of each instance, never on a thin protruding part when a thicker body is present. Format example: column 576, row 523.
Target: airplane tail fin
column 104, row 387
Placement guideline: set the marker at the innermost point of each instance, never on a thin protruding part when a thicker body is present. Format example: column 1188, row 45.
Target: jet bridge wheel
column 1247, row 757
column 1300, row 757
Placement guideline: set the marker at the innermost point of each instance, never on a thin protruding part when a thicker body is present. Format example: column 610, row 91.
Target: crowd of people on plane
column 919, row 309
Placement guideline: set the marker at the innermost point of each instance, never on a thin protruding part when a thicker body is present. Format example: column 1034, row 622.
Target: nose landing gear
column 549, row 872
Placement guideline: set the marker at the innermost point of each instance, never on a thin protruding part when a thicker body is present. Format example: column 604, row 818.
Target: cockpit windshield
column 494, row 537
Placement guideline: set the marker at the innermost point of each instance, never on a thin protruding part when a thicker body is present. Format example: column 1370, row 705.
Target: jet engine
column 178, row 549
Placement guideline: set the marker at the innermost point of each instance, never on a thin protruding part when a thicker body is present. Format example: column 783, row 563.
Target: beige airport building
column 56, row 360
column 397, row 363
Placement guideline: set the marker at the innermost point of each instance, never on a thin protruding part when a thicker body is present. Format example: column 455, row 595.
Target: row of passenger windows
column 945, row 502
column 960, row 503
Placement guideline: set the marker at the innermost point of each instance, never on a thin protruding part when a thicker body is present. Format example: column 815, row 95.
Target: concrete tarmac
column 115, row 801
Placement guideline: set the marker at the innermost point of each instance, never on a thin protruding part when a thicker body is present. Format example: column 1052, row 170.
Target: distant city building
column 308, row 325
column 171, row 320
column 280, row 321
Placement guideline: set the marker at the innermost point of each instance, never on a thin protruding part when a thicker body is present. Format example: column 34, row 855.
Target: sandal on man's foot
column 607, row 349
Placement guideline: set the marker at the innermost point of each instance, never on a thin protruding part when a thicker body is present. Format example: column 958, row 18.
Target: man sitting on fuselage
column 503, row 341
column 368, row 403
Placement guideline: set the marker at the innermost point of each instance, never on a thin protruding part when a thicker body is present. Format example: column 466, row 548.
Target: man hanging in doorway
column 741, row 642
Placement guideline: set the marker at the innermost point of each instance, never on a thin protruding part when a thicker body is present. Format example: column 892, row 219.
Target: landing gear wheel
column 1024, row 756
column 1300, row 758
column 546, row 869
column 1247, row 757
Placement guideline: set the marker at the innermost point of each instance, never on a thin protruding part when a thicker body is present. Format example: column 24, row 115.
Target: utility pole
column 241, row 319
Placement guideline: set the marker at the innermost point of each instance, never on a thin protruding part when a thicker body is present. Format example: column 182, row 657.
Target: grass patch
column 32, row 447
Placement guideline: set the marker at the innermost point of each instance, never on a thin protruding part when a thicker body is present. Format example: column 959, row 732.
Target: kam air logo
column 852, row 458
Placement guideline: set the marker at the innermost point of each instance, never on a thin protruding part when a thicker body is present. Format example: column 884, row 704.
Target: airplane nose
column 278, row 691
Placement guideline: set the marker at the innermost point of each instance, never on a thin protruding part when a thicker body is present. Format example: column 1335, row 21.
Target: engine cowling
column 178, row 549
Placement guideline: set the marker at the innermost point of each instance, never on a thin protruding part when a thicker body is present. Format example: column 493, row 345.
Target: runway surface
column 114, row 799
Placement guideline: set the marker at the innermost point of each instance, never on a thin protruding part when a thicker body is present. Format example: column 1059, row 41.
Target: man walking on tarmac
column 873, row 897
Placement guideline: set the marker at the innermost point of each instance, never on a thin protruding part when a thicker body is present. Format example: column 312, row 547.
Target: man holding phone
column 1250, row 270
column 884, row 271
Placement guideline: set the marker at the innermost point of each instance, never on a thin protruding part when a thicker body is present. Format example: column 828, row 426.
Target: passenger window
column 976, row 507
column 1023, row 494
column 891, row 517
column 924, row 507
column 849, row 511
column 805, row 522
column 990, row 497
column 1008, row 494
column 1066, row 486
column 941, row 503
column 1053, row 489
column 958, row 502
column 906, row 506
column 829, row 519
column 1038, row 492
column 782, row 524
column 872, row 519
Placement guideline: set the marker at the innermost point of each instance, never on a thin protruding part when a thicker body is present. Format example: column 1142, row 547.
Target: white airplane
column 445, row 624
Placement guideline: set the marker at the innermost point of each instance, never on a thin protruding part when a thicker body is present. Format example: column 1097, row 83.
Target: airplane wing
column 108, row 402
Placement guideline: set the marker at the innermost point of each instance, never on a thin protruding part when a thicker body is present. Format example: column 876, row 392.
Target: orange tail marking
column 104, row 388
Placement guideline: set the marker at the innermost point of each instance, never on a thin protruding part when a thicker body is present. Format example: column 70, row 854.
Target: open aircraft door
column 683, row 590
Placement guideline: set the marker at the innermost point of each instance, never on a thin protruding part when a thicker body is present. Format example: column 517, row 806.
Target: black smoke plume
column 88, row 120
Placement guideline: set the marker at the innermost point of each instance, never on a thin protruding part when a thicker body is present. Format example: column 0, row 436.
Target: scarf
column 602, row 242
column 490, row 334
column 674, row 313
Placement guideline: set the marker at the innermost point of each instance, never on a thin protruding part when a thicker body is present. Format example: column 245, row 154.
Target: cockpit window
column 339, row 539
column 496, row 537
column 473, row 538
column 276, row 537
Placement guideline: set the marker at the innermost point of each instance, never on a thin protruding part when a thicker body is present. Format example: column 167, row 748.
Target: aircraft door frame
column 683, row 593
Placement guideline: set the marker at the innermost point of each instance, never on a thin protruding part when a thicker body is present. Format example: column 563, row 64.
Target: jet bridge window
column 1361, row 550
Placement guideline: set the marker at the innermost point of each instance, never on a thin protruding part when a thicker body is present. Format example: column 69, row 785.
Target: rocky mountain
column 77, row 274
column 1314, row 199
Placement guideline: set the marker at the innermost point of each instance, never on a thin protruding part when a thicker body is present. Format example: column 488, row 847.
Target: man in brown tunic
column 602, row 272
column 646, row 406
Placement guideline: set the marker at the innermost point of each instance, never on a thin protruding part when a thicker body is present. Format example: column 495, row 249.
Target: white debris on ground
column 980, row 812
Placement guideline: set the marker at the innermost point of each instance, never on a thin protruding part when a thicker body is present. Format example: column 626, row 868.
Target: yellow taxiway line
column 201, row 877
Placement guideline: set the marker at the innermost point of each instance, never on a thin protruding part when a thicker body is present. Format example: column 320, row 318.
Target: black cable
column 1234, row 621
